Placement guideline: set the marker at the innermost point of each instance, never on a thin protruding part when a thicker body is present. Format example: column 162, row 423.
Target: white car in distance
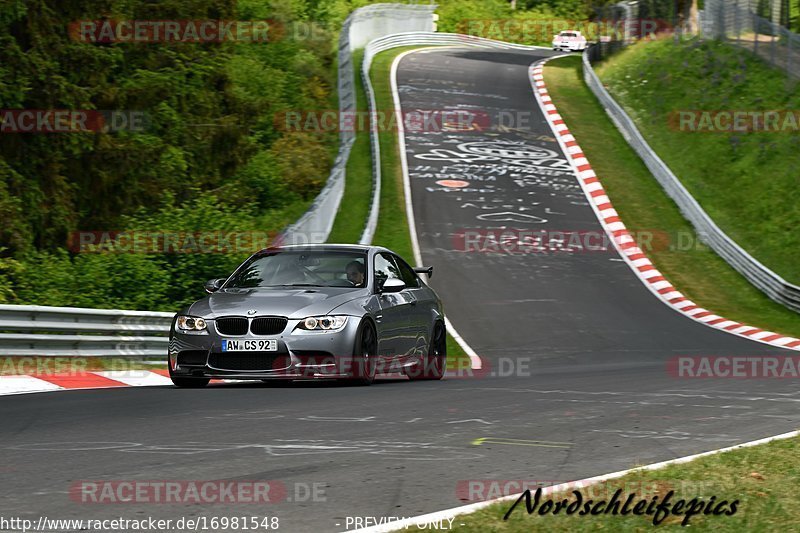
column 570, row 41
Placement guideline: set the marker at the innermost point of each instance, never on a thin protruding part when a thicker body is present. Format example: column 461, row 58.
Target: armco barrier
column 763, row 278
column 397, row 40
column 27, row 330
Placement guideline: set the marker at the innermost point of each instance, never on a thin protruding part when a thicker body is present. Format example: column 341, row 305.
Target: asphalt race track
column 585, row 345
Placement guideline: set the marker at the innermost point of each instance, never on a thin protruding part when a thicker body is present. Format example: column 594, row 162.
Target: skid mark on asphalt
column 413, row 451
column 667, row 434
column 520, row 442
column 743, row 396
column 477, row 420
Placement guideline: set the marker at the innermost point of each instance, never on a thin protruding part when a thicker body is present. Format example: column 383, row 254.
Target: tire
column 435, row 362
column 186, row 382
column 364, row 353
column 190, row 383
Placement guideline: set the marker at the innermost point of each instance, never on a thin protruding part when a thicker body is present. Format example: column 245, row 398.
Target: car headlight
column 323, row 323
column 190, row 323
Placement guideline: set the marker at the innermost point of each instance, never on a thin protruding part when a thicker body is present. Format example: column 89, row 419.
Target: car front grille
column 249, row 361
column 237, row 325
column 232, row 325
column 270, row 325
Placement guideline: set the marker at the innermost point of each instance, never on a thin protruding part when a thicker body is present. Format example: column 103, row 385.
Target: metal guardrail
column 397, row 40
column 27, row 330
column 737, row 22
column 756, row 273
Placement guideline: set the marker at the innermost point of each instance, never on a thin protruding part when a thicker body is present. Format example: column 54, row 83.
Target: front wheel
column 364, row 354
column 186, row 382
column 433, row 364
column 190, row 383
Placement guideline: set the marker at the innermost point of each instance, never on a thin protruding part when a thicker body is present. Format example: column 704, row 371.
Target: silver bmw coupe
column 312, row 312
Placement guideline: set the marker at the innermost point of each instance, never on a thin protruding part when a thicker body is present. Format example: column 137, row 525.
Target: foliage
column 210, row 150
column 209, row 141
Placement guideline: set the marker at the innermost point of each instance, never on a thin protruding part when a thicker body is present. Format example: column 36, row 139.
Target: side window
column 385, row 269
column 407, row 273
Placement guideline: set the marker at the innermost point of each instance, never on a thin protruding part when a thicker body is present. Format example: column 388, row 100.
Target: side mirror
column 425, row 270
column 393, row 285
column 213, row 285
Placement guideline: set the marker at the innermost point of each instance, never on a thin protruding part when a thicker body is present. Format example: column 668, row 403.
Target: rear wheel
column 434, row 363
column 364, row 354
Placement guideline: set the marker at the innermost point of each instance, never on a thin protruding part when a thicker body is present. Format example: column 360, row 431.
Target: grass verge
column 698, row 272
column 392, row 231
column 354, row 208
column 759, row 477
column 746, row 181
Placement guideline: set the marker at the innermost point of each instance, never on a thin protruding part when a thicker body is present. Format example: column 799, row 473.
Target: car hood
column 292, row 303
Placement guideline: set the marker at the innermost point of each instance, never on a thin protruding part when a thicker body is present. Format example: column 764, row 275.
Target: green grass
column 748, row 183
column 392, row 231
column 698, row 272
column 761, row 478
column 354, row 208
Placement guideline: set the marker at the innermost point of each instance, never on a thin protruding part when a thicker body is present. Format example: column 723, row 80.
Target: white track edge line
column 471, row 508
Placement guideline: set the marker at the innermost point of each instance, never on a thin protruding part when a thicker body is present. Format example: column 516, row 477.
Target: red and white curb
column 113, row 379
column 107, row 379
column 624, row 242
column 20, row 384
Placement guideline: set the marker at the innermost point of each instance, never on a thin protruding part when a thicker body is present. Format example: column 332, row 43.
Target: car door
column 422, row 310
column 396, row 330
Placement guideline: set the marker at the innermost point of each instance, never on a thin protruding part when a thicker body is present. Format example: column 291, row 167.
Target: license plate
column 250, row 345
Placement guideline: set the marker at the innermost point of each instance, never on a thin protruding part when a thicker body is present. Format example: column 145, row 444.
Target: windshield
column 298, row 268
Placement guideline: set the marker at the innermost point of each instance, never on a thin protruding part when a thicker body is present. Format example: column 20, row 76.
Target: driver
column 355, row 273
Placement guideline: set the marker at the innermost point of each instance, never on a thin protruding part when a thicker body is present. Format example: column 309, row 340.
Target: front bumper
column 572, row 47
column 305, row 355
